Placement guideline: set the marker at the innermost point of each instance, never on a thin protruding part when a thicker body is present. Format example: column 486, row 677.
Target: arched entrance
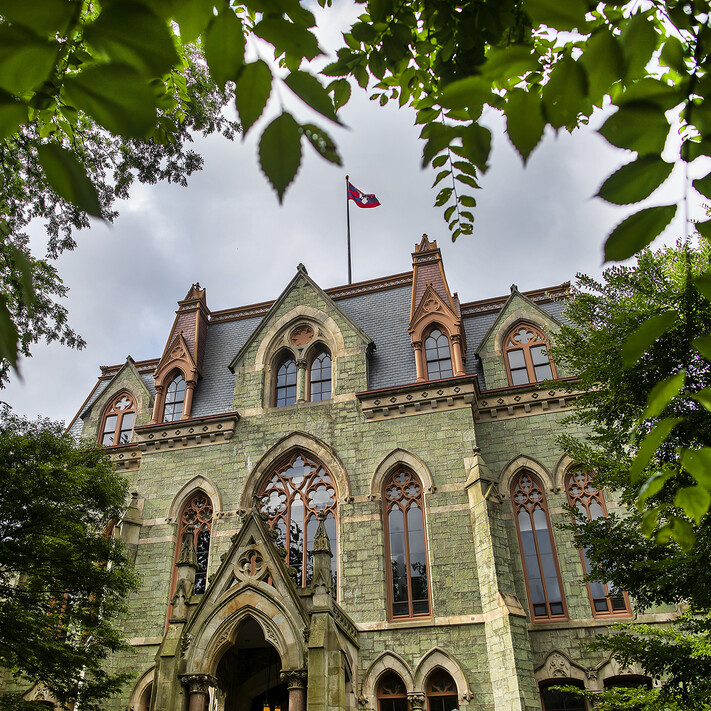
column 248, row 674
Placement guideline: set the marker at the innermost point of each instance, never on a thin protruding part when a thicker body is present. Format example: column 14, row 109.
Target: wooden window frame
column 585, row 498
column 542, row 503
column 510, row 345
column 445, row 333
column 318, row 352
column 433, row 695
column 166, row 402
column 542, row 686
column 120, row 414
column 319, row 475
column 381, row 696
column 388, row 505
column 281, row 359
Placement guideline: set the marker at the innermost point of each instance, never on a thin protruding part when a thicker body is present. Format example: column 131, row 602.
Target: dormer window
column 437, row 355
column 174, row 399
column 285, row 383
column 118, row 421
column 527, row 359
column 320, row 377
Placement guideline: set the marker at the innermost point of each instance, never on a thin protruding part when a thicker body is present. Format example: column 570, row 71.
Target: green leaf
column 652, row 487
column 568, row 15
column 698, row 463
column 252, row 89
column 651, row 91
column 440, row 177
column 603, row 62
column 673, row 55
column 280, row 152
column 22, row 264
column 130, row 33
column 683, row 533
column 694, row 501
column 25, row 59
column 564, row 94
column 9, row 337
column 116, row 96
column 439, row 136
column 341, row 89
column 322, row 142
column 297, row 42
column 702, row 344
column 636, row 180
column 663, row 393
column 472, row 91
column 476, row 145
column 13, row 114
column 67, row 177
column 638, row 40
column 309, row 89
column 650, row 444
column 524, row 121
column 703, row 185
column 48, row 17
column 443, row 196
column 224, row 46
column 650, row 519
column 467, row 180
column 704, row 229
column 467, row 200
column 641, row 339
column 506, row 62
column 640, row 127
column 192, row 17
column 637, row 231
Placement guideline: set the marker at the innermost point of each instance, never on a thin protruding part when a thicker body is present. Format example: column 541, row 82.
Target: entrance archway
column 248, row 673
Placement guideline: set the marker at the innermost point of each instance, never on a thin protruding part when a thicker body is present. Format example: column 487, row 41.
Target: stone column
column 198, row 690
column 416, row 701
column 158, row 405
column 420, row 364
column 301, row 380
column 295, row 680
column 187, row 405
column 457, row 359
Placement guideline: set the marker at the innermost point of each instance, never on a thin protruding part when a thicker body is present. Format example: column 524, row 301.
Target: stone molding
column 521, row 402
column 294, row 678
column 199, row 683
column 183, row 434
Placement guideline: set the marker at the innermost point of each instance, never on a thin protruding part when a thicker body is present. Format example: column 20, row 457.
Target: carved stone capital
column 301, row 363
column 199, row 683
column 294, row 678
column 415, row 700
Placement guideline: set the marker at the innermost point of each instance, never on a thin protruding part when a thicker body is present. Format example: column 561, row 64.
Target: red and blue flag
column 362, row 199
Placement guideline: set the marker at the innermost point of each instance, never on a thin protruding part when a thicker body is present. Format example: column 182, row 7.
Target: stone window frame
column 281, row 359
column 510, row 346
column 169, row 383
column 543, row 504
column 388, row 505
column 110, row 410
column 382, row 696
column 431, row 695
column 598, row 497
column 558, row 681
column 320, row 349
column 427, row 334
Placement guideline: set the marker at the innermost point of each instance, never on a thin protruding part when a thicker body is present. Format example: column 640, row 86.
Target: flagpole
column 348, row 222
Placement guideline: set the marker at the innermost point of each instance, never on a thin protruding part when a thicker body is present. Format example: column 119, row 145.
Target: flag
column 361, row 199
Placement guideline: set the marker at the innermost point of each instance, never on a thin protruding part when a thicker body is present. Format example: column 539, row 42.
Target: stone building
column 345, row 498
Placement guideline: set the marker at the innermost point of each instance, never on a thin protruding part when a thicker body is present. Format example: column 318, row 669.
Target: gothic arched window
column 441, row 692
column 605, row 599
column 527, row 359
column 174, row 399
column 406, row 550
column 540, row 563
column 285, row 381
column 291, row 495
column 118, row 420
column 320, row 377
column 437, row 355
column 392, row 695
column 196, row 517
column 554, row 700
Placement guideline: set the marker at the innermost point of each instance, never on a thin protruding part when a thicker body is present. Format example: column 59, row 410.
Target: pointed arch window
column 438, row 356
column 441, row 692
column 320, row 377
column 291, row 496
column 118, row 421
column 174, row 399
column 285, row 381
column 554, row 700
column 196, row 517
column 605, row 599
column 540, row 562
column 392, row 695
column 408, row 592
column 527, row 359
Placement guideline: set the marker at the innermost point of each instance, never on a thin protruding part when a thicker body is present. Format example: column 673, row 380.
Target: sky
column 535, row 226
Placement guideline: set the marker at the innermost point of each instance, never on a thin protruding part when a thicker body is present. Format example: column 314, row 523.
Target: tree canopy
column 62, row 578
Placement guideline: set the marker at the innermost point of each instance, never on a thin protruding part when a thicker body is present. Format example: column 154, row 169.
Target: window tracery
column 320, row 377
column 441, row 692
column 540, row 563
column 392, row 695
column 118, row 420
column 291, row 496
column 605, row 599
column 526, row 354
column 196, row 517
column 174, row 399
column 285, row 381
column 437, row 355
column 406, row 550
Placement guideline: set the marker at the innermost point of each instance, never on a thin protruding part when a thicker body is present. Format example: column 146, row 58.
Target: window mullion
column 406, row 534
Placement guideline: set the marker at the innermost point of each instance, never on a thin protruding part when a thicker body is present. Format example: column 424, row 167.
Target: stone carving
column 431, row 305
column 294, row 678
column 306, row 633
column 187, row 555
column 199, row 683
column 591, row 673
column 251, row 565
column 185, row 643
column 558, row 665
column 301, row 335
column 416, row 700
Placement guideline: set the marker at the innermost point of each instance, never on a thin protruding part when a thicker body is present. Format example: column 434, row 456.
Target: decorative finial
column 301, row 268
column 513, row 288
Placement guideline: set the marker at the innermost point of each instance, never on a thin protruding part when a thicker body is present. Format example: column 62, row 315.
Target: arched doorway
column 248, row 673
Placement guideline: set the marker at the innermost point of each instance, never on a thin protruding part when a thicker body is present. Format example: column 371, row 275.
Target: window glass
column 527, row 356
column 437, row 355
column 391, row 694
column 441, row 692
column 285, row 387
column 553, row 700
column 118, row 420
column 320, row 377
column 174, row 399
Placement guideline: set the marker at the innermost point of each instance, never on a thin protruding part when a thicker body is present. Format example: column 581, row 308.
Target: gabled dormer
column 436, row 327
column 181, row 363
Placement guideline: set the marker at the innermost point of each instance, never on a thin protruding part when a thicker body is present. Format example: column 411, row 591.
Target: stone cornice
column 514, row 402
column 193, row 432
column 418, row 398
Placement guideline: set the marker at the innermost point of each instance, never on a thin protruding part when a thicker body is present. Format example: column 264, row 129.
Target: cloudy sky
column 535, row 227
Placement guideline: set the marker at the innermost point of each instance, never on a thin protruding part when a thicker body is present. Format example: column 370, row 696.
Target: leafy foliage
column 62, row 579
column 631, row 339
